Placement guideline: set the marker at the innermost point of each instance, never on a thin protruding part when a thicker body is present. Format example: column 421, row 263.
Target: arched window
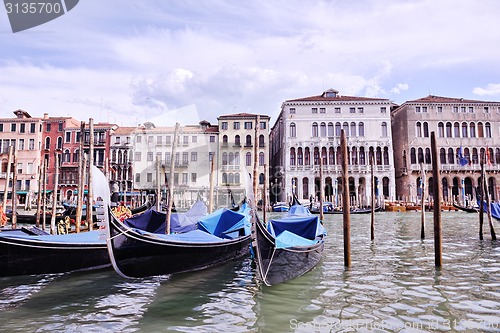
column 413, row 156
column 316, row 156
column 224, row 140
column 248, row 159
column 475, row 156
column 338, row 127
column 354, row 156
column 345, row 127
column 67, row 156
column 236, row 158
column 361, row 129
column 472, row 130
column 487, row 130
column 305, row 188
column 237, row 141
column 418, row 133
column 236, row 178
column 322, row 129
column 113, row 156
column 331, row 156
column 230, row 178
column 262, row 143
column 261, row 179
column 330, row 129
column 224, row 178
column 300, row 156
column 384, row 129
column 120, row 157
column 231, row 158
column 456, row 130
column 224, row 158
column 353, row 129
column 497, row 156
column 440, row 130
column 378, row 156
column 442, row 156
column 451, row 156
column 427, row 155
column 362, row 158
column 292, row 156
column 76, row 155
column 59, row 142
column 464, row 130
column 248, row 141
column 480, row 133
column 315, row 129
column 261, row 159
column 386, row 156
column 293, row 130
column 420, row 155
column 47, row 143
column 426, row 129
column 307, row 156
column 448, row 130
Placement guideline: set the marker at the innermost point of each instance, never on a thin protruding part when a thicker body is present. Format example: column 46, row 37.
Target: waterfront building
column 24, row 133
column 465, row 131
column 196, row 147
column 121, row 173
column 237, row 154
column 310, row 127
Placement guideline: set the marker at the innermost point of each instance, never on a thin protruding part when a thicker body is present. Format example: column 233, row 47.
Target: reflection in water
column 392, row 286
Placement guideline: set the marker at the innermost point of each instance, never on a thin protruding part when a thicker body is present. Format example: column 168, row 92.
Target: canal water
column 392, row 286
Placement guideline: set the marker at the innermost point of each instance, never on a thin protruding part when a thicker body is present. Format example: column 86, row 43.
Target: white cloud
column 491, row 90
column 399, row 88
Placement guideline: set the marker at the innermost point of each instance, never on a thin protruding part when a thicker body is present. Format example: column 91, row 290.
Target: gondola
column 353, row 211
column 289, row 247
column 281, row 207
column 466, row 209
column 139, row 247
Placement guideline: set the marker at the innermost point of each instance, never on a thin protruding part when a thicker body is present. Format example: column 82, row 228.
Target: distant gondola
column 466, row 209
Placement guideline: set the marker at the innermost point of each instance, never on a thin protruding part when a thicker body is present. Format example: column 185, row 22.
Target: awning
column 22, row 192
column 84, row 192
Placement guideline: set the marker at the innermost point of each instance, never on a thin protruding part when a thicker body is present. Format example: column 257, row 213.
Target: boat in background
column 466, row 209
column 289, row 246
column 281, row 207
column 139, row 247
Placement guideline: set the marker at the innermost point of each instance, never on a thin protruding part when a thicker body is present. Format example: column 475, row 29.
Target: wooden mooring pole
column 346, row 207
column 481, row 204
column 171, row 180
column 436, row 185
column 321, row 213
column 211, row 190
column 90, row 181
column 488, row 204
column 422, row 203
column 54, row 195
column 372, row 221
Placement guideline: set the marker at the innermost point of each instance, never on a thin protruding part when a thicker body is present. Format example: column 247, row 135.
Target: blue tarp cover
column 154, row 221
column 495, row 209
column 194, row 236
column 288, row 239
column 307, row 226
column 87, row 237
column 298, row 210
column 221, row 222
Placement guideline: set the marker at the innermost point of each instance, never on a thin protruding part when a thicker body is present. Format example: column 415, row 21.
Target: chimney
column 45, row 116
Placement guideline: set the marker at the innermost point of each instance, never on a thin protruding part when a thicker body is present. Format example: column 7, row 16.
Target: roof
column 242, row 115
column 123, row 130
column 440, row 99
column 337, row 98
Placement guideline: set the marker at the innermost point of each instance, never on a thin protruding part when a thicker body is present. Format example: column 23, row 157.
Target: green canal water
column 392, row 286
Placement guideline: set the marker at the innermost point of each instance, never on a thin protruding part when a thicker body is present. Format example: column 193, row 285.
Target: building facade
column 310, row 127
column 196, row 147
column 465, row 131
column 238, row 153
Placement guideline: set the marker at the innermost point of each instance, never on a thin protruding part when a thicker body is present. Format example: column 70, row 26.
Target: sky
column 167, row 61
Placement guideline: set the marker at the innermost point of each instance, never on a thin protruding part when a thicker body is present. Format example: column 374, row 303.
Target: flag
column 461, row 159
column 488, row 158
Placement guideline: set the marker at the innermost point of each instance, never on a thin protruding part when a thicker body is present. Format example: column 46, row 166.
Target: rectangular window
column 184, row 178
column 194, row 139
column 337, row 110
column 248, row 125
column 455, row 109
column 262, row 125
column 224, row 125
column 352, row 110
column 440, row 109
column 486, row 109
column 31, row 145
column 150, row 156
column 212, row 138
column 1, row 127
column 471, row 109
column 210, row 156
column 22, row 128
column 185, row 139
column 48, row 127
column 150, row 139
column 168, row 140
column 314, row 110
column 29, row 169
column 236, row 125
column 361, row 110
column 176, row 178
column 138, row 139
column 194, row 156
column 19, row 168
column 383, row 109
column 137, row 177
column 158, row 140
column 21, row 144
column 158, row 157
column 167, row 158
column 67, row 137
column 417, row 109
column 60, row 127
column 424, row 108
column 137, row 156
column 13, row 127
column 322, row 110
column 149, row 177
column 185, row 158
column 292, row 110
column 32, row 128
column 193, row 177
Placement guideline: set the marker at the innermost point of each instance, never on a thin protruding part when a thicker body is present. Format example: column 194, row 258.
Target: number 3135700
column 33, row 8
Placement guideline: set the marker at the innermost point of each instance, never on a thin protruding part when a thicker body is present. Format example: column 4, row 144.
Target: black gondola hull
column 136, row 255
column 29, row 256
column 280, row 265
